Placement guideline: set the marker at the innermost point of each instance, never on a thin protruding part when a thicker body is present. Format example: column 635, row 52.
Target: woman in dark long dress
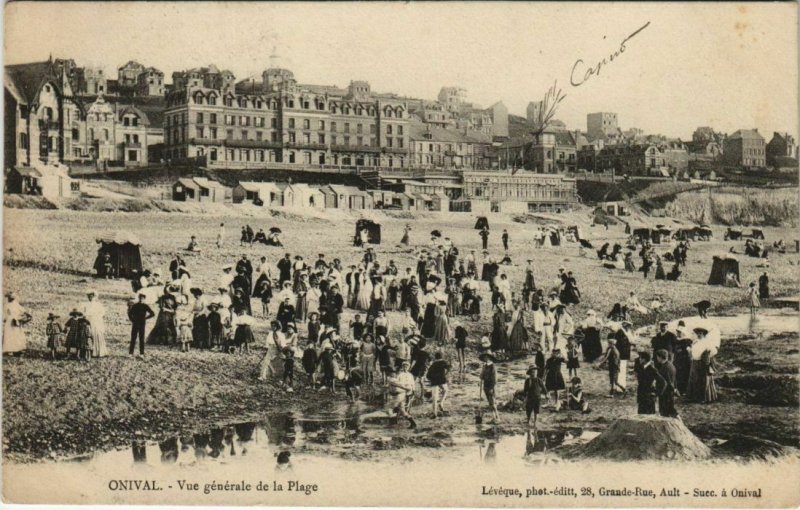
column 570, row 294
column 499, row 334
column 683, row 364
column 428, row 329
column 591, row 346
column 554, row 379
column 518, row 339
column 165, row 331
column 200, row 331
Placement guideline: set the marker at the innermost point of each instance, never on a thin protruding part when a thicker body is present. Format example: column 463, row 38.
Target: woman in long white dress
column 364, row 293
column 14, row 316
column 95, row 312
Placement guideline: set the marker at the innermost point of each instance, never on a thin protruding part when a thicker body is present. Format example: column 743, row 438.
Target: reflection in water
column 169, row 450
column 139, row 452
column 284, row 461
column 491, row 453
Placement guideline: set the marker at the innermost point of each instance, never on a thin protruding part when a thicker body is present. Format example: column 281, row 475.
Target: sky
column 730, row 66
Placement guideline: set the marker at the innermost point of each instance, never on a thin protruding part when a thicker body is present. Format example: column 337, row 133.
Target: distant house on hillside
column 745, row 148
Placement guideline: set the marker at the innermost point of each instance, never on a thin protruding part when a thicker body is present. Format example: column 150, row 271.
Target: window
column 347, row 140
column 372, row 129
column 126, row 121
column 259, row 135
column 346, row 127
column 229, row 120
column 400, row 143
column 273, row 136
column 388, row 129
column 273, row 123
column 321, row 138
column 322, row 124
column 244, row 121
column 360, row 140
column 291, row 123
column 399, row 130
column 105, row 134
column 212, row 154
column 291, row 157
column 214, row 133
column 307, row 138
column 389, row 141
column 359, row 129
column 75, row 135
column 244, row 134
column 334, row 140
column 306, row 124
column 199, row 117
column 333, row 127
column 23, row 140
column 212, row 99
column 229, row 134
column 200, row 132
column 291, row 138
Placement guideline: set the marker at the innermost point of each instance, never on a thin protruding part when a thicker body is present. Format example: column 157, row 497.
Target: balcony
column 252, row 144
column 306, row 145
column 203, row 140
column 394, row 150
column 451, row 154
column 133, row 145
column 48, row 124
column 355, row 148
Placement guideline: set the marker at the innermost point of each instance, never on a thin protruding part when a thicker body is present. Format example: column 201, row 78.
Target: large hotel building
column 278, row 121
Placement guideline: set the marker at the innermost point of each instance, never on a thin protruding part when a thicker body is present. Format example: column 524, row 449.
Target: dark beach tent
column 733, row 235
column 642, row 233
column 482, row 223
column 758, row 234
column 373, row 232
column 275, row 230
column 555, row 238
column 721, row 267
column 704, row 233
column 125, row 253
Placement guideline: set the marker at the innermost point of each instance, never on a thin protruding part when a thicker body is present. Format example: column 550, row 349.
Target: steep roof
column 29, row 78
column 746, row 134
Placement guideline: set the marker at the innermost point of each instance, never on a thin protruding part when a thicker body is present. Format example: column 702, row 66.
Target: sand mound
column 644, row 437
column 754, row 448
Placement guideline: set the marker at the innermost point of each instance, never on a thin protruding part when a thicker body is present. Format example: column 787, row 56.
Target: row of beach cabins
column 296, row 195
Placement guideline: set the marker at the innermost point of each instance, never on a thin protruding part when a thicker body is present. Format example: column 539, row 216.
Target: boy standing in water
column 534, row 389
column 488, row 381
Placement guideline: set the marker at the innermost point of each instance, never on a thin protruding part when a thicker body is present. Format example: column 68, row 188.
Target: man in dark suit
column 175, row 266
column 648, row 380
column 666, row 393
column 335, row 305
column 664, row 339
column 285, row 269
column 245, row 267
column 139, row 313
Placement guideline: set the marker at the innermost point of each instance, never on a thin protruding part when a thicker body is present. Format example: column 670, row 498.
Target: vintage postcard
column 469, row 254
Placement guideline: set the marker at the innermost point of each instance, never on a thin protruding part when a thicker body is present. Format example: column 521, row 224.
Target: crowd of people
column 433, row 303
